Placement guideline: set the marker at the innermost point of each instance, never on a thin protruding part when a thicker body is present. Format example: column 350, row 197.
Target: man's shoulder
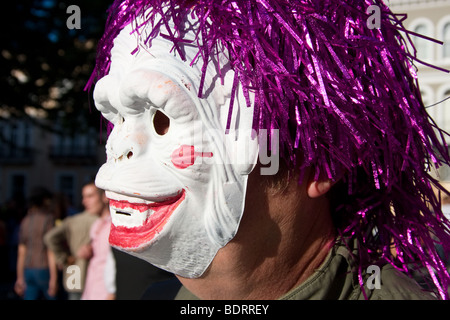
column 396, row 285
column 339, row 278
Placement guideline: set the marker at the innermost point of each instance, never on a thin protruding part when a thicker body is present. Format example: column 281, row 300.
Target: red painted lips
column 138, row 237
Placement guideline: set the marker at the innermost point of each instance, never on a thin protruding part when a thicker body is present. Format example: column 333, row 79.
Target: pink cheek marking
column 184, row 156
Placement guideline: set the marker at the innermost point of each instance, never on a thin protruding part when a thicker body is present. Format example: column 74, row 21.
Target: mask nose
column 122, row 154
column 125, row 142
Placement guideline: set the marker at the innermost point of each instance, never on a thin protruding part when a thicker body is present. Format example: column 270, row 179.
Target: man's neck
column 273, row 252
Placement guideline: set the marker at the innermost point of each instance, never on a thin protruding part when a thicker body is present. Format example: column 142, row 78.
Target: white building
column 432, row 19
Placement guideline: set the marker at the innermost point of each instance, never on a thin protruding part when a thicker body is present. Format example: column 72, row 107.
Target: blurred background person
column 12, row 213
column 66, row 239
column 98, row 251
column 36, row 268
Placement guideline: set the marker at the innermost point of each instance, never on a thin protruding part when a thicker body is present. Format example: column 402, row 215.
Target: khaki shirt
column 65, row 240
column 336, row 279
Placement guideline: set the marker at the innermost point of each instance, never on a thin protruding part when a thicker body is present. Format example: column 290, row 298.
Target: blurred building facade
column 31, row 155
column 432, row 19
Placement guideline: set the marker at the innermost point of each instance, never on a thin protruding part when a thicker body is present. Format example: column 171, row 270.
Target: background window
column 423, row 46
column 446, row 111
column 446, row 40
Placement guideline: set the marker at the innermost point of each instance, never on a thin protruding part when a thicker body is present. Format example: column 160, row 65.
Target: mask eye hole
column 161, row 123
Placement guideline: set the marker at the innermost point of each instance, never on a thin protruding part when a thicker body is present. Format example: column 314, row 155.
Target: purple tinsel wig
column 342, row 95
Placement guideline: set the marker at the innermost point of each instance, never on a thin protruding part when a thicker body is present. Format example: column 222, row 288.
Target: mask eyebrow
column 142, row 88
column 106, row 99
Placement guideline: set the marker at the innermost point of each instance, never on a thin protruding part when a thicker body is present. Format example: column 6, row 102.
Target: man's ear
column 316, row 189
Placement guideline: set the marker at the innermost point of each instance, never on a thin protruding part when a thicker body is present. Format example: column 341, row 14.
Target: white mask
column 176, row 193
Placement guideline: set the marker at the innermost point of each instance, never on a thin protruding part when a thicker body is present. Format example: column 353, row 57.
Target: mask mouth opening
column 123, row 212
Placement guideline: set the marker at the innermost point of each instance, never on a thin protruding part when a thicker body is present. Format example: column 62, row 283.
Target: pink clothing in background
column 95, row 288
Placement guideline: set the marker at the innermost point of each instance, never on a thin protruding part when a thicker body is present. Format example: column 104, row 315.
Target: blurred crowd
column 49, row 250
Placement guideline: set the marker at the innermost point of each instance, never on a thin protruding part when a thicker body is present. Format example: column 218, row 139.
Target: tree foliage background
column 44, row 65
